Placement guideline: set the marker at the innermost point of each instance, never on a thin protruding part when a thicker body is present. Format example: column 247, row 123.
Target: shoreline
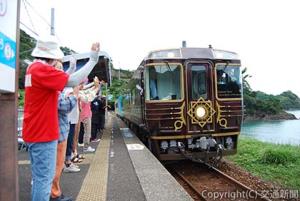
column 273, row 117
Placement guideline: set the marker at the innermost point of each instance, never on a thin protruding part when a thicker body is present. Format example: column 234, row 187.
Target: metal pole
column 52, row 31
column 106, row 101
column 9, row 182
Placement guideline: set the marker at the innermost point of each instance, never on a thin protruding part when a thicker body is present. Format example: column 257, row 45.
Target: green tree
column 67, row 51
column 117, row 88
column 27, row 44
column 257, row 102
column 289, row 100
column 246, row 85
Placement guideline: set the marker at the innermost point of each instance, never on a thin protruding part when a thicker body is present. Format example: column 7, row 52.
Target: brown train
column 186, row 103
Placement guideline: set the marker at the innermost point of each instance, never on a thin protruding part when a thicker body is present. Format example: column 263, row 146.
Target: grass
column 21, row 98
column 272, row 162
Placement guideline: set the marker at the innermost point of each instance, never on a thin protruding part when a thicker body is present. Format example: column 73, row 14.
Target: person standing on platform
column 98, row 110
column 40, row 125
column 66, row 102
column 73, row 118
column 86, row 96
column 75, row 157
column 103, row 113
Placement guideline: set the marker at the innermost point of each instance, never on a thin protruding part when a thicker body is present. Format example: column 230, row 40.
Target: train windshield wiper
column 227, row 63
column 168, row 66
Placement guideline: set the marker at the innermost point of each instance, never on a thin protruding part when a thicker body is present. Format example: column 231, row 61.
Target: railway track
column 203, row 182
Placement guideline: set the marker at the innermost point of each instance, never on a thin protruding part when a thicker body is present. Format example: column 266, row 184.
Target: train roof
column 192, row 53
column 102, row 69
column 85, row 55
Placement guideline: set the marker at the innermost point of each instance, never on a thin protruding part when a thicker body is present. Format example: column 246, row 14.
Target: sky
column 265, row 34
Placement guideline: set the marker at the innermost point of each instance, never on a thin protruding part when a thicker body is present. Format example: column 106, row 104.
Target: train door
column 200, row 108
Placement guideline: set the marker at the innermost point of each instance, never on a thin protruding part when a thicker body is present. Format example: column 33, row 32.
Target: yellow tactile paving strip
column 94, row 185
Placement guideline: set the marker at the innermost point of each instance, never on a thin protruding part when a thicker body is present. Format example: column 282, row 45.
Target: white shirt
column 73, row 116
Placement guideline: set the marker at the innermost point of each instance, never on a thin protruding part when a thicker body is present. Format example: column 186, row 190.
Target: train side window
column 163, row 82
column 133, row 96
column 228, row 81
column 153, row 84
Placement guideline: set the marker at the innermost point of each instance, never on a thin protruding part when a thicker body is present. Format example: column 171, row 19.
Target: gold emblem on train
column 221, row 121
column 179, row 123
column 201, row 112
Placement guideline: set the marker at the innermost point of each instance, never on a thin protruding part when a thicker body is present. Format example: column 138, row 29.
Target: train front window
column 163, row 82
column 229, row 81
column 198, row 84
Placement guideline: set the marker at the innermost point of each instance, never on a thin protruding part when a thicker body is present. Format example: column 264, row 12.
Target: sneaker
column 74, row 165
column 89, row 150
column 80, row 145
column 95, row 140
column 72, row 168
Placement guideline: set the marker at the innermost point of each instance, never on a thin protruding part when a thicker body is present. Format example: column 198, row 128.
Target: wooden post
column 9, row 183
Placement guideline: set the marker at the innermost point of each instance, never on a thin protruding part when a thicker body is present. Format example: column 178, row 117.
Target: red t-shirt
column 42, row 85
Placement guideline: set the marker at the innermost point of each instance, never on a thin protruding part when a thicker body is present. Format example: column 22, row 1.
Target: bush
column 21, row 98
column 278, row 156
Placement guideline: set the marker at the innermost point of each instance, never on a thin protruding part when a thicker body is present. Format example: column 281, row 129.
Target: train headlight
column 200, row 112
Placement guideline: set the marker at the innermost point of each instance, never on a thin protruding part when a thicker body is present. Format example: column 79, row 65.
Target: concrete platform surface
column 157, row 183
column 121, row 169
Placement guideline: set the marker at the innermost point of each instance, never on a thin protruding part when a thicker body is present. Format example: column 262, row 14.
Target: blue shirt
column 65, row 105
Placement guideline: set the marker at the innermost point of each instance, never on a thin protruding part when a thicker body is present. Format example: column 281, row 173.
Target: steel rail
column 227, row 177
column 258, row 195
column 191, row 186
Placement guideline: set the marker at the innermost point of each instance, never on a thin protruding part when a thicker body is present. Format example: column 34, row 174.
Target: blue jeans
column 70, row 142
column 43, row 162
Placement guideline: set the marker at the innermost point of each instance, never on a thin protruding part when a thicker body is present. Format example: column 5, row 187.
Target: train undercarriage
column 201, row 148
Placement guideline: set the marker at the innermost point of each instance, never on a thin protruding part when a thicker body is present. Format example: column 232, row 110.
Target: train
column 186, row 103
column 102, row 69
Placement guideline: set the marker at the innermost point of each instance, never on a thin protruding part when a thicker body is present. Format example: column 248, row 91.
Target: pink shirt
column 85, row 111
column 86, row 97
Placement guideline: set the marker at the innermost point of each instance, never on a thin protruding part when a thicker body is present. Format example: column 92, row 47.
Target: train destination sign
column 8, row 38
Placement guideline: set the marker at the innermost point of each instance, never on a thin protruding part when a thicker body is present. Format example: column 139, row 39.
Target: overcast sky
column 264, row 33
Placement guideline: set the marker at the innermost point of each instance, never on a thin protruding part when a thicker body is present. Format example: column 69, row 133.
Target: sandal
column 76, row 160
column 80, row 156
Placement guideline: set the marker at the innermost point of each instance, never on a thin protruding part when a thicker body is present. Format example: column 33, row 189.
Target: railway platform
column 121, row 169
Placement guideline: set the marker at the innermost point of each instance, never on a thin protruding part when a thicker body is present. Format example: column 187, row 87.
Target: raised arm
column 72, row 67
column 78, row 76
column 88, row 95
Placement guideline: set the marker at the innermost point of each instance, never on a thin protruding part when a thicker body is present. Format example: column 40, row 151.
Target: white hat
column 47, row 47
